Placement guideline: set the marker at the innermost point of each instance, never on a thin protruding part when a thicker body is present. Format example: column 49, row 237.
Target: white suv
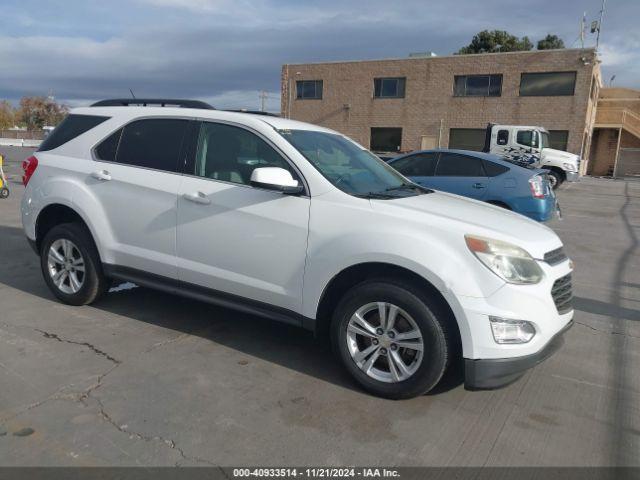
column 297, row 223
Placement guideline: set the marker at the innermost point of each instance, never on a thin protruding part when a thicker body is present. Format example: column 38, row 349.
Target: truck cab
column 529, row 146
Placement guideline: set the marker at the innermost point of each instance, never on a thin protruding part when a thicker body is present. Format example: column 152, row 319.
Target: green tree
column 7, row 115
column 495, row 41
column 550, row 42
column 36, row 112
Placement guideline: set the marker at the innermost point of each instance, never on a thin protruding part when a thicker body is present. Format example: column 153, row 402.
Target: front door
column 235, row 238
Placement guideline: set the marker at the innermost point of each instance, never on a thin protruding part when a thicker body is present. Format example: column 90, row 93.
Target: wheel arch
column 56, row 214
column 358, row 273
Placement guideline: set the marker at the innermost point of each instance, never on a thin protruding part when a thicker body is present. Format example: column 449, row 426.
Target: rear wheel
column 395, row 343
column 71, row 264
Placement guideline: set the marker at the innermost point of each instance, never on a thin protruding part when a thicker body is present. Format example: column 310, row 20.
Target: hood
column 447, row 211
column 559, row 154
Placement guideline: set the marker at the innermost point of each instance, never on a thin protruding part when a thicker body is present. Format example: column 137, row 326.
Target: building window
column 503, row 137
column 477, row 85
column 309, row 89
column 558, row 139
column 386, row 139
column 547, row 84
column 467, row 138
column 389, row 87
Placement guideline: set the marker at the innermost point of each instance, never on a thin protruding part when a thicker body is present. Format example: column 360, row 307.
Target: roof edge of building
column 422, row 59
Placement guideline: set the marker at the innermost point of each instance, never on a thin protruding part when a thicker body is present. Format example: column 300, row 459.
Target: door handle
column 197, row 197
column 101, row 175
column 478, row 185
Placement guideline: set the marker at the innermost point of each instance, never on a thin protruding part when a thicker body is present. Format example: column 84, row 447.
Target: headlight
column 509, row 262
column 569, row 167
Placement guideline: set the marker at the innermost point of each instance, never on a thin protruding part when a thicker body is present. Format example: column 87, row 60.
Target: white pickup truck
column 529, row 145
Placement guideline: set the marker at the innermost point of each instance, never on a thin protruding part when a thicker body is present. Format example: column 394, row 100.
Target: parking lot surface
column 146, row 378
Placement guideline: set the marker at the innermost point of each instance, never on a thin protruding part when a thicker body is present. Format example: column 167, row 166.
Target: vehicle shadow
column 281, row 344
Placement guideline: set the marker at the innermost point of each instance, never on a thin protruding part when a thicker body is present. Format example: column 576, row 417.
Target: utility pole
column 263, row 99
column 600, row 23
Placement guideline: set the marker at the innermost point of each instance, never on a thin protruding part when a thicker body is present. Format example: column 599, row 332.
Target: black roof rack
column 146, row 102
column 253, row 112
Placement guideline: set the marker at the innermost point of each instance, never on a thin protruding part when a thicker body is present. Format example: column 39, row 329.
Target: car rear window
column 71, row 127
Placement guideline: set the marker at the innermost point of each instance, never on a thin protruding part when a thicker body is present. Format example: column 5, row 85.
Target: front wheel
column 393, row 341
column 555, row 179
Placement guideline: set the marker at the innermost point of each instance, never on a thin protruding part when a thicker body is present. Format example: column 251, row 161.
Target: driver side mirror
column 275, row 178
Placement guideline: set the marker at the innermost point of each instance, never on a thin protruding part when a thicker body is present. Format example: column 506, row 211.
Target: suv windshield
column 350, row 167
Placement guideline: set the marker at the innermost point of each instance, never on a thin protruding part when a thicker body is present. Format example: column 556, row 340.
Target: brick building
column 430, row 101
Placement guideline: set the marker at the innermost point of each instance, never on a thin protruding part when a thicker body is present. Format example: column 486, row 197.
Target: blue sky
column 226, row 51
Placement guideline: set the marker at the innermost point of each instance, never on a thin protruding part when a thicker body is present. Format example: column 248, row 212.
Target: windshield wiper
column 409, row 186
column 376, row 195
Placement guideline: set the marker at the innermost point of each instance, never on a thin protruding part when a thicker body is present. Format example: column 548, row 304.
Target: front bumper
column 572, row 176
column 497, row 372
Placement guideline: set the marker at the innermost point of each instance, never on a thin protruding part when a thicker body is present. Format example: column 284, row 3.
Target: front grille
column 555, row 257
column 562, row 294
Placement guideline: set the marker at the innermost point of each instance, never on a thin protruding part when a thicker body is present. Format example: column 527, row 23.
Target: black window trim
column 404, row 90
column 189, row 160
column 95, row 158
column 501, row 75
column 573, row 92
column 440, row 153
column 321, row 81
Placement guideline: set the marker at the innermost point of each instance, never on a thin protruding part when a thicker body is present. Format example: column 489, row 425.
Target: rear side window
column 151, row 143
column 108, row 148
column 71, row 127
column 503, row 137
column 419, row 165
column 457, row 165
column 494, row 169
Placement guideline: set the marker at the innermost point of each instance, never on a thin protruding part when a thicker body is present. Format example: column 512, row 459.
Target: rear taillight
column 537, row 187
column 28, row 167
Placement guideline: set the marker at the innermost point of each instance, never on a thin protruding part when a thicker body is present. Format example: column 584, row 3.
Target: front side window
column 309, row 89
column 418, row 165
column 392, row 87
column 477, row 85
column 547, row 84
column 151, row 143
column 457, row 165
column 230, row 154
column 528, row 138
column 348, row 166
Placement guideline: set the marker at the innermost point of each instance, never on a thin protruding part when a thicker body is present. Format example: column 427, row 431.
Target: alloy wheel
column 66, row 266
column 385, row 342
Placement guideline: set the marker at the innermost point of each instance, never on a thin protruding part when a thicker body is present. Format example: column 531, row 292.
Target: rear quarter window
column 71, row 127
column 494, row 169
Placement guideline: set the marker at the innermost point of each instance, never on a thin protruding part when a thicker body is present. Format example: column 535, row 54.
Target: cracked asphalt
column 145, row 378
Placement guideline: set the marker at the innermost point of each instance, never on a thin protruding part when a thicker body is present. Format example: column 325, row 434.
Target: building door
column 428, row 142
column 628, row 163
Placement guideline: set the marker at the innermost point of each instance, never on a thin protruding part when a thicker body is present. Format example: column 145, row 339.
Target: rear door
column 460, row 174
column 135, row 176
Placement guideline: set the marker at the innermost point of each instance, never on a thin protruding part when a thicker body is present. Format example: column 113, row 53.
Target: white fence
column 19, row 142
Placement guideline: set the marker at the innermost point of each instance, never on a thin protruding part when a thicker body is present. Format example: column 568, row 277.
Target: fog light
column 511, row 331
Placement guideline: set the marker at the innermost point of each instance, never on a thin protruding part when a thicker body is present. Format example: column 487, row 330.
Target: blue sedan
column 483, row 177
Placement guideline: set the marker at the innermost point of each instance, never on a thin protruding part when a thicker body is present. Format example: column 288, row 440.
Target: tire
column 4, row 192
column 556, row 179
column 422, row 374
column 75, row 250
